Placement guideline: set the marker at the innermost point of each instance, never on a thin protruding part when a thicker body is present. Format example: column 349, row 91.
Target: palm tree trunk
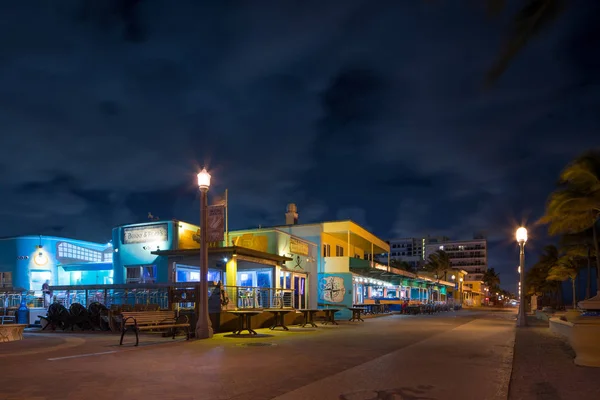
column 588, row 289
column 597, row 259
column 574, row 294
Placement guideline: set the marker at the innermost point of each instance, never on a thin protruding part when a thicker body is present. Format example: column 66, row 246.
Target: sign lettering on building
column 216, row 223
column 145, row 234
column 298, row 247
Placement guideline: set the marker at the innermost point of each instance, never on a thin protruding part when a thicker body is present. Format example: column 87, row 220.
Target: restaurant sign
column 145, row 234
column 298, row 247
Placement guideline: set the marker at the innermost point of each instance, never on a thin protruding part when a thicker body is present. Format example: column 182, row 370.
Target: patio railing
column 181, row 293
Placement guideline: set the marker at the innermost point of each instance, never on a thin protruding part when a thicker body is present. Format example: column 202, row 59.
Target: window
column 145, row 274
column 68, row 250
column 339, row 251
column 133, row 275
column 5, row 279
column 326, row 250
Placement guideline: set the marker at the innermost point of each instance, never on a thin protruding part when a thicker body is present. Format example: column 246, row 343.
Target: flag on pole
column 220, row 200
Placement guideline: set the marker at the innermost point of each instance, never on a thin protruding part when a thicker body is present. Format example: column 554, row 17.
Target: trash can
column 23, row 314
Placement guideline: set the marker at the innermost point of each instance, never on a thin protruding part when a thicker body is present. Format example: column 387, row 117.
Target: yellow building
column 475, row 293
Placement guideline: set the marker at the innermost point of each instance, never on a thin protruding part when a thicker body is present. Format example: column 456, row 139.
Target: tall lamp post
column 204, row 328
column 521, row 236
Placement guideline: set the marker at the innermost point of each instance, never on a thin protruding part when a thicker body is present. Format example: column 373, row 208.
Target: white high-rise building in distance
column 468, row 255
column 409, row 250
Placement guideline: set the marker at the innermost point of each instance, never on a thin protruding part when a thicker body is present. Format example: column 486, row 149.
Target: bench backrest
column 147, row 317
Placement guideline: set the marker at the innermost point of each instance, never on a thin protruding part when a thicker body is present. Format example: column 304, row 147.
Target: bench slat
column 148, row 317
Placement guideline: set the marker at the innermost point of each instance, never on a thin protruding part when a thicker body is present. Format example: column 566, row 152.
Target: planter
column 584, row 340
column 591, row 304
column 561, row 328
column 583, row 337
column 11, row 332
column 572, row 315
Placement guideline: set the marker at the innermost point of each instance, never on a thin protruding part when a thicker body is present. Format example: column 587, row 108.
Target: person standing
column 47, row 294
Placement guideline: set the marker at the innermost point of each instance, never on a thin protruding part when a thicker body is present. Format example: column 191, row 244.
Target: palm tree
column 535, row 278
column 575, row 206
column 581, row 243
column 491, row 278
column 403, row 265
column 566, row 268
column 438, row 264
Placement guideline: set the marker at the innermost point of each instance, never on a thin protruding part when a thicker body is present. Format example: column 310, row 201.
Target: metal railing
column 13, row 299
column 164, row 295
column 239, row 297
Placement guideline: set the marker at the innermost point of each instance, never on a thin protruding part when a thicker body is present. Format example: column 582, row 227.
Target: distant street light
column 204, row 328
column 521, row 236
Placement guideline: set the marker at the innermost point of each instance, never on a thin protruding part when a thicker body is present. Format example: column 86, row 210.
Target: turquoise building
column 26, row 262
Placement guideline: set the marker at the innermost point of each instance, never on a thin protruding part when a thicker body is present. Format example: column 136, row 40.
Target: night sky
column 368, row 110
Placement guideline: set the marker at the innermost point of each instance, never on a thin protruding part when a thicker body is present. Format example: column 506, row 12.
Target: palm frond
column 532, row 19
column 561, row 273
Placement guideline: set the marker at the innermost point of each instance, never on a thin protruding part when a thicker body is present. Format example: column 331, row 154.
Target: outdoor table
column 330, row 315
column 309, row 316
column 279, row 317
column 245, row 321
column 366, row 308
column 356, row 314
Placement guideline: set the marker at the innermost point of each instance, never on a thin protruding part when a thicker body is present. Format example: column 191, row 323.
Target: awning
column 105, row 266
column 225, row 251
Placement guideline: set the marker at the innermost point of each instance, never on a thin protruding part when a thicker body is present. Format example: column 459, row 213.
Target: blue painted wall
column 336, row 282
column 140, row 253
column 30, row 264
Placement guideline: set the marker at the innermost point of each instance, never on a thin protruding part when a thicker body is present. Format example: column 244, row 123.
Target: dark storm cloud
column 358, row 109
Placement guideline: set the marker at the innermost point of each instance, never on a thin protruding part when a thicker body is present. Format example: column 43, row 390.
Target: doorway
column 300, row 300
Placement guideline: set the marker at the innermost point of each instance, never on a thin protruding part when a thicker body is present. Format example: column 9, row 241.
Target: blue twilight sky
column 369, row 110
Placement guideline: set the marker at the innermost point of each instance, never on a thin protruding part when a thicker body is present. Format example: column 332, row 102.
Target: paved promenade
column 458, row 355
column 544, row 368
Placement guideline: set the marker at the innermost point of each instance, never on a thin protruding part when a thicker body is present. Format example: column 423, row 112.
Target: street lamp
column 204, row 328
column 521, row 236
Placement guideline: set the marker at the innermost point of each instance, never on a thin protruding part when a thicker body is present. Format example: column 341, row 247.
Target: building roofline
column 39, row 237
column 273, row 229
column 243, row 251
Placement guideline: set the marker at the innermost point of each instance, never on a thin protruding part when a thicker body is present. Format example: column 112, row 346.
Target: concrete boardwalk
column 463, row 355
column 544, row 368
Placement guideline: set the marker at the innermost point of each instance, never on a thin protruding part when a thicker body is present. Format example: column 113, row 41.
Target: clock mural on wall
column 332, row 289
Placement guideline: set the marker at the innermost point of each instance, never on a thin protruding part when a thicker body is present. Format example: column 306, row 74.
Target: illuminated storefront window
column 192, row 274
column 68, row 250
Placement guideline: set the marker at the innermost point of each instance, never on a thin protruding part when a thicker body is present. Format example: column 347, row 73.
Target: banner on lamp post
column 215, row 223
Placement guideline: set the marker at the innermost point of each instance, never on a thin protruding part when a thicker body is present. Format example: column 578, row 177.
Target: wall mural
column 332, row 289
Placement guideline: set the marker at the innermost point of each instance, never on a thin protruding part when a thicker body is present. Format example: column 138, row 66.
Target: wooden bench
column 152, row 320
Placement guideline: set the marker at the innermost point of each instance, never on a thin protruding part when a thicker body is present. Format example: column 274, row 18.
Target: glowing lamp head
column 203, row 179
column 453, row 277
column 521, row 235
column 461, row 279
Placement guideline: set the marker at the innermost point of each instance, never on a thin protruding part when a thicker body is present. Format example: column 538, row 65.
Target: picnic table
column 279, row 317
column 245, row 320
column 309, row 316
column 356, row 313
column 330, row 315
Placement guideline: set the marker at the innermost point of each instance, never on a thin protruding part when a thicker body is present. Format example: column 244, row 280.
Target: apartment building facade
column 468, row 255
